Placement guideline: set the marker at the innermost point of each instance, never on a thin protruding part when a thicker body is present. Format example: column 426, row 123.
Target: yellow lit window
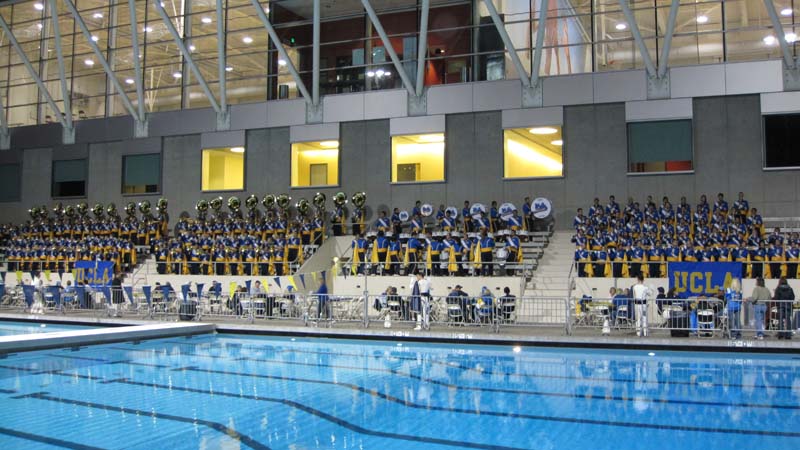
column 223, row 169
column 315, row 163
column 533, row 152
column 418, row 157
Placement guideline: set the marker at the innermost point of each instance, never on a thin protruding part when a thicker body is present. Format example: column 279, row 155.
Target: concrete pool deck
column 517, row 335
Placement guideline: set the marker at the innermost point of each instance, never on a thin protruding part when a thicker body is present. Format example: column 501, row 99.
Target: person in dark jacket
column 785, row 296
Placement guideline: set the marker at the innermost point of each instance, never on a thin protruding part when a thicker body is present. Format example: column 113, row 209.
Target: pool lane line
column 243, row 438
column 106, row 361
column 46, row 440
column 323, row 415
column 488, row 413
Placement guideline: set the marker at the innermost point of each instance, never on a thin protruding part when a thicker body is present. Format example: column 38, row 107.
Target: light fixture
column 702, row 19
column 517, row 349
column 39, row 26
column 237, row 149
column 88, row 62
column 97, row 15
column 247, row 40
column 38, row 6
column 281, row 62
column 266, row 9
column 651, row 354
column 129, row 81
column 329, row 144
column 543, row 130
column 790, row 37
column 434, row 137
column 229, row 69
column 148, row 29
column 379, row 73
column 370, row 73
column 769, row 40
column 557, row 142
column 387, row 73
column 786, row 12
column 95, row 38
column 192, row 48
column 177, row 75
column 206, row 20
column 621, row 26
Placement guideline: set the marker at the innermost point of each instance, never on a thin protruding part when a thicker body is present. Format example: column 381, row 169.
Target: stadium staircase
column 551, row 279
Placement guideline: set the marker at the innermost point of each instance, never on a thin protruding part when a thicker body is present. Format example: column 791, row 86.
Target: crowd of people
column 622, row 241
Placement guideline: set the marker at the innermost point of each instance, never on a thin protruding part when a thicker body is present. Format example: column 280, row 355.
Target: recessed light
column 192, row 48
column 786, row 12
column 38, row 6
column 543, row 130
column 702, row 19
column 557, row 142
column 387, row 73
column 237, row 149
column 247, row 40
column 148, row 29
column 370, row 73
column 379, row 73
column 176, row 75
column 95, row 38
column 205, row 20
column 769, row 40
column 329, row 144
column 88, row 62
column 621, row 26
column 229, row 69
column 39, row 26
column 97, row 15
column 129, row 81
column 790, row 37
column 281, row 62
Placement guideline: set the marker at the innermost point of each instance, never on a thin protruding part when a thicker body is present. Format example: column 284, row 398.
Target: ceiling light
column 702, row 19
column 281, row 62
column 786, row 12
column 39, row 26
column 387, row 73
column 329, row 144
column 177, row 75
column 229, row 69
column 370, row 73
column 266, row 9
column 543, row 130
column 237, row 149
column 769, row 40
column 129, row 81
column 148, row 29
column 436, row 137
column 379, row 73
column 97, row 15
column 95, row 38
column 88, row 62
column 192, row 48
column 790, row 37
column 205, row 20
column 38, row 6
column 247, row 40
column 557, row 142
column 621, row 26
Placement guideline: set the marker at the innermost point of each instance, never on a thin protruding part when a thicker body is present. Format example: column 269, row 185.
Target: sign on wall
column 94, row 273
column 702, row 278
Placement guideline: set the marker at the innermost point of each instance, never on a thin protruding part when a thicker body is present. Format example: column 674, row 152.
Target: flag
column 355, row 262
column 129, row 291
column 302, row 280
column 232, row 289
column 146, row 290
column 47, row 275
column 185, row 292
column 247, row 284
column 291, row 282
column 278, row 282
column 19, row 276
column 199, row 289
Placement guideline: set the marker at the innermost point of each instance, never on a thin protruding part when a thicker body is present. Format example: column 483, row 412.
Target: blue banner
column 94, row 273
column 702, row 278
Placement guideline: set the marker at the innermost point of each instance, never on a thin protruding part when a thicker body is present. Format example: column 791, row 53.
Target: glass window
column 69, row 178
column 141, row 174
column 781, row 134
column 9, row 183
column 533, row 152
column 223, row 169
column 662, row 146
column 418, row 158
column 315, row 163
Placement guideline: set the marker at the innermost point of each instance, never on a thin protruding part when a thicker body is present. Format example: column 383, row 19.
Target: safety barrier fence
column 660, row 269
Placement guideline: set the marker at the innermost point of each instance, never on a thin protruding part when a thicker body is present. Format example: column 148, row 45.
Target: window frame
column 19, row 182
column 764, row 166
column 549, row 177
column 406, row 183
column 160, row 174
column 661, row 172
column 338, row 183
column 85, row 178
column 244, row 170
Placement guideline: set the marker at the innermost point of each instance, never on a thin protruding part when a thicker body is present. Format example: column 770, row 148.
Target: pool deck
column 522, row 336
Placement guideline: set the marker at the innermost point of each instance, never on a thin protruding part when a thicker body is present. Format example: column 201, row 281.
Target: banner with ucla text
column 94, row 273
column 701, row 278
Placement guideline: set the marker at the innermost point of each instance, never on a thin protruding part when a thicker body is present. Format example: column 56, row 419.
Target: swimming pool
column 10, row 328
column 227, row 391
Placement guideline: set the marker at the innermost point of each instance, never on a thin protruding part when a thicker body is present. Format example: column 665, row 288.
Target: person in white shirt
column 421, row 300
column 640, row 296
column 256, row 289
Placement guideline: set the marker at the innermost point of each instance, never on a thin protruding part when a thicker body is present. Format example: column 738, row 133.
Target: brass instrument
column 283, row 201
column 268, row 201
column 251, row 202
column 216, row 204
column 58, row 210
column 130, row 209
column 340, row 198
column 111, row 210
column 98, row 210
column 161, row 206
column 144, row 207
column 201, row 206
column 234, row 204
column 70, row 211
column 302, row 207
column 359, row 199
column 34, row 212
column 319, row 200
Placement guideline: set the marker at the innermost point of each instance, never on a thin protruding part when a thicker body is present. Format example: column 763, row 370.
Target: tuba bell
column 302, row 207
column 201, row 206
column 161, row 206
column 144, row 207
column 216, row 204
column 97, row 210
column 130, row 209
column 359, row 199
column 283, row 201
column 340, row 198
column 319, row 200
column 268, row 201
column 70, row 211
column 251, row 202
column 34, row 212
column 58, row 210
column 83, row 208
column 234, row 203
column 111, row 210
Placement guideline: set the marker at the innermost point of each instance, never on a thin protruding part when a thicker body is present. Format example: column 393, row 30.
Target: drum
column 405, row 236
column 456, row 234
column 523, row 233
column 502, row 254
column 444, row 255
column 372, row 234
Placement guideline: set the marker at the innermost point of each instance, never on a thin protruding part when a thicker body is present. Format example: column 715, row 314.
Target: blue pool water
column 225, row 391
column 9, row 328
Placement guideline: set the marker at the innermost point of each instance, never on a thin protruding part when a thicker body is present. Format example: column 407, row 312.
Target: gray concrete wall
column 727, row 158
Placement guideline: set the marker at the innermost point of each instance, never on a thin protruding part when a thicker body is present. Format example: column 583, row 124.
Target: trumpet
column 268, row 201
column 340, row 198
column 283, row 201
column 319, row 200
column 359, row 199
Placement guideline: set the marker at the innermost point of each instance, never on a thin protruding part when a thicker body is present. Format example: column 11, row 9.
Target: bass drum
column 542, row 208
column 502, row 254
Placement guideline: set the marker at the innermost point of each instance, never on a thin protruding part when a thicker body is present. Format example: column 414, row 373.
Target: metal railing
column 660, row 269
column 438, row 268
